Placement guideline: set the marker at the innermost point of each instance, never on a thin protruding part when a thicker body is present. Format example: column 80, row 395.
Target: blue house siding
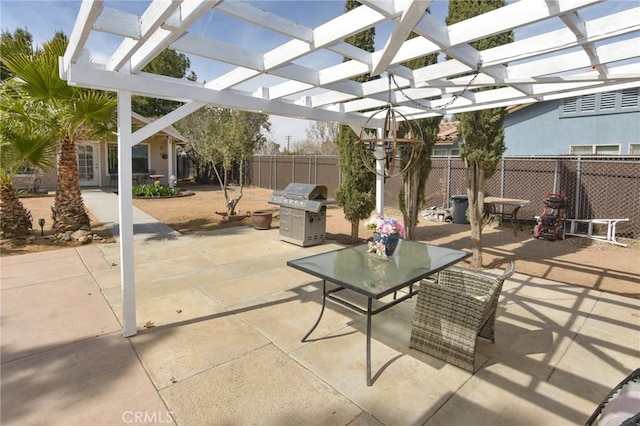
column 543, row 129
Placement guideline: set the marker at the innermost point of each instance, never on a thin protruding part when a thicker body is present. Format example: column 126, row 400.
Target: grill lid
column 302, row 196
column 307, row 190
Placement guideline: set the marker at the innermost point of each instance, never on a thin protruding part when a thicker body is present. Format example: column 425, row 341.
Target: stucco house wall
column 553, row 127
column 159, row 147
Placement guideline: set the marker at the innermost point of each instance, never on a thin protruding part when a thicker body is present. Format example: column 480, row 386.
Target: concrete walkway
column 226, row 315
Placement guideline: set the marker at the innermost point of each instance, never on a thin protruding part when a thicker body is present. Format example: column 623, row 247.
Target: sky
column 43, row 17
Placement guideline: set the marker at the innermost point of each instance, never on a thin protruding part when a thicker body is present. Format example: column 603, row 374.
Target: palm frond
column 38, row 75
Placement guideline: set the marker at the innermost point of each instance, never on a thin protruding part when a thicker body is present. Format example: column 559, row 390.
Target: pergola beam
column 87, row 16
column 410, row 17
column 89, row 77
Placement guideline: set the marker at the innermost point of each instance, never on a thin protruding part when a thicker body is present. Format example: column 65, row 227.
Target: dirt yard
column 577, row 261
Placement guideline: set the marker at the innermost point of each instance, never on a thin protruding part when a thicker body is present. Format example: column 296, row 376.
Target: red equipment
column 550, row 224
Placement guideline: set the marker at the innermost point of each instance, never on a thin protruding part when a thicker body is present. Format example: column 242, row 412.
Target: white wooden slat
column 87, row 16
column 416, row 47
column 597, row 30
column 206, row 47
column 232, row 78
column 288, row 88
column 87, row 76
column 162, row 38
column 285, row 53
column 267, row 20
column 150, row 21
column 297, row 73
column 388, row 8
column 410, row 17
column 349, row 51
column 117, row 22
column 343, row 71
column 345, row 25
column 626, row 49
column 509, row 17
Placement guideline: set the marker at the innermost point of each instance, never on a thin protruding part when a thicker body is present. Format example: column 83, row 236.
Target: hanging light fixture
column 403, row 142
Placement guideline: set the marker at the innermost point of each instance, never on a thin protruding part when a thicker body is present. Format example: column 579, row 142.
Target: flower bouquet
column 387, row 231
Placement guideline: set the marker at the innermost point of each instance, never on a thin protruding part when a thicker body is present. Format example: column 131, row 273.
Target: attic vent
column 588, row 103
column 608, row 101
column 570, row 106
column 630, row 98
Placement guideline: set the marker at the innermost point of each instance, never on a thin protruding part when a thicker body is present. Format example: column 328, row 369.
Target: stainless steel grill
column 303, row 213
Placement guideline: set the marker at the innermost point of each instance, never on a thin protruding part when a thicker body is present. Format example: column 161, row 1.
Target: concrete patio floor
column 228, row 316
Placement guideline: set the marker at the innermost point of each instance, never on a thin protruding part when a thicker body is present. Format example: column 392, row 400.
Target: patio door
column 88, row 164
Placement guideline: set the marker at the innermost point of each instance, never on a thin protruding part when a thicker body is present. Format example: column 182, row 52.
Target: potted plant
column 262, row 219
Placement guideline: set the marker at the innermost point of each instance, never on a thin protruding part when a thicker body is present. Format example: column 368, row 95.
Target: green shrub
column 152, row 190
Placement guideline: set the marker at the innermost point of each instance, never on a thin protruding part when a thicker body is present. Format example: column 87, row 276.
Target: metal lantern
column 394, row 142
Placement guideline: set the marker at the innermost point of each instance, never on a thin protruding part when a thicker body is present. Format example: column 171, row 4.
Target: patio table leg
column 324, row 300
column 369, row 306
column 514, row 220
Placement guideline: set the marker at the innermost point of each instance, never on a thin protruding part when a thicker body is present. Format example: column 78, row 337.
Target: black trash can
column 460, row 206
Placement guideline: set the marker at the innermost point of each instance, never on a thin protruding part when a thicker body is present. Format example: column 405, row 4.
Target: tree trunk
column 410, row 216
column 14, row 218
column 354, row 231
column 68, row 211
column 475, row 193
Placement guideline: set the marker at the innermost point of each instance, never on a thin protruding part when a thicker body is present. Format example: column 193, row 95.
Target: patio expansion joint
column 206, row 370
column 55, row 348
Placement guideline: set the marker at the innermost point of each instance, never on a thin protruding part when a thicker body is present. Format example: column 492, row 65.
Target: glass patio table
column 354, row 269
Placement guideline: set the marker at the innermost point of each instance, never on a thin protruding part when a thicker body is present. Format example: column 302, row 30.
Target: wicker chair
column 452, row 312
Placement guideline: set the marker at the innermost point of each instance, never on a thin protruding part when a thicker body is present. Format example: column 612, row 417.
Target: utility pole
column 288, row 138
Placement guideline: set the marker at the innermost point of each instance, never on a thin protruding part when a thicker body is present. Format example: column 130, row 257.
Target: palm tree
column 68, row 114
column 21, row 143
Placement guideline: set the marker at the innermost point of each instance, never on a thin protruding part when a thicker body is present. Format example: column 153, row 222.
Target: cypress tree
column 482, row 131
column 356, row 193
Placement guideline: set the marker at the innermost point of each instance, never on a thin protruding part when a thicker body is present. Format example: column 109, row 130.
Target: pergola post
column 125, row 214
column 379, row 156
column 170, row 158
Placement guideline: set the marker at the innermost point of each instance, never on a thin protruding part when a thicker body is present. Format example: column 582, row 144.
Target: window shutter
column 608, row 101
column 588, row 103
column 630, row 98
column 570, row 105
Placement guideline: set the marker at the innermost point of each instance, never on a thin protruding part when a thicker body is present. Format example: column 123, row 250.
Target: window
column 595, row 149
column 455, row 151
column 139, row 158
column 607, row 149
column 634, row 149
column 439, row 151
column 601, row 103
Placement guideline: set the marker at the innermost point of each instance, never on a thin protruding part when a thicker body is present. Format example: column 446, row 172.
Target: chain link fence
column 595, row 187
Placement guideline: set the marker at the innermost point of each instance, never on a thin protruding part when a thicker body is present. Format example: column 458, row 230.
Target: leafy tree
column 168, row 63
column 65, row 114
column 223, row 139
column 269, row 148
column 320, row 140
column 481, row 131
column 356, row 193
column 411, row 198
column 21, row 41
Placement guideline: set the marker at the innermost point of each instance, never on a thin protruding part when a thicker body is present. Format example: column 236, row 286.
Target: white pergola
column 580, row 57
